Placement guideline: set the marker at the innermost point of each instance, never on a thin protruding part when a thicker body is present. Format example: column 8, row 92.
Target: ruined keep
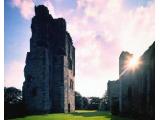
column 136, row 91
column 137, row 88
column 50, row 66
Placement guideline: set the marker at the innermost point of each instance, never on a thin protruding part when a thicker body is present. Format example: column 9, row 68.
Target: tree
column 94, row 103
column 78, row 101
column 13, row 103
column 85, row 103
column 12, row 95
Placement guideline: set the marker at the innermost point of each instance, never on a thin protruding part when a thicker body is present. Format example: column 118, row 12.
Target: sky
column 100, row 30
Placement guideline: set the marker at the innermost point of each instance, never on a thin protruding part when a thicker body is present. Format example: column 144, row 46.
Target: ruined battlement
column 50, row 66
column 134, row 93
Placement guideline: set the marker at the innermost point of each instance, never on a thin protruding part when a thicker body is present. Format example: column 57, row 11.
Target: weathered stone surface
column 50, row 66
column 136, row 88
column 113, row 96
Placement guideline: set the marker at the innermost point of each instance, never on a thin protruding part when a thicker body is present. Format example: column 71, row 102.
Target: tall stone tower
column 123, row 59
column 50, row 66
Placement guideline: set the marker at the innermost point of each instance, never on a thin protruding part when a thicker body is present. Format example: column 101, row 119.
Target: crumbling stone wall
column 50, row 66
column 136, row 88
column 113, row 96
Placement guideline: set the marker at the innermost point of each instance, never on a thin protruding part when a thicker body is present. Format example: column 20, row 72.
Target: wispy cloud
column 50, row 6
column 26, row 7
column 14, row 74
column 101, row 29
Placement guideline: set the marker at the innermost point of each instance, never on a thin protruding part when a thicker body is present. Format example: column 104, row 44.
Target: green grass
column 78, row 115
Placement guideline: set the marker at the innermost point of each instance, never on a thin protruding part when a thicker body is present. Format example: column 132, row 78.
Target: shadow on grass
column 120, row 118
column 86, row 114
column 99, row 113
column 92, row 114
column 25, row 116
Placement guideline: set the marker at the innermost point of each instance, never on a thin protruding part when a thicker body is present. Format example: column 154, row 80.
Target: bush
column 13, row 103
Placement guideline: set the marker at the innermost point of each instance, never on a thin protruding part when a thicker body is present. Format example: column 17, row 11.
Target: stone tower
column 50, row 66
column 123, row 58
column 133, row 94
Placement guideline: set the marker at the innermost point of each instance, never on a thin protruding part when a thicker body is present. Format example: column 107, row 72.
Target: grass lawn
column 78, row 115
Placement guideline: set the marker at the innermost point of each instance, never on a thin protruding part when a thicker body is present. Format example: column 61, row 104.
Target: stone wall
column 136, row 87
column 113, row 96
column 50, row 66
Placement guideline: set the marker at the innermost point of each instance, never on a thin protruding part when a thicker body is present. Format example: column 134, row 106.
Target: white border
column 1, row 59
column 157, row 60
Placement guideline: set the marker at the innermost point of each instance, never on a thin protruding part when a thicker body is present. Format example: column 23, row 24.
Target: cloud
column 50, row 6
column 101, row 30
column 114, row 22
column 26, row 7
column 14, row 74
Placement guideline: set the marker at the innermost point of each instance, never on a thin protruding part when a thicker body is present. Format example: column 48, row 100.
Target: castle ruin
column 133, row 94
column 50, row 66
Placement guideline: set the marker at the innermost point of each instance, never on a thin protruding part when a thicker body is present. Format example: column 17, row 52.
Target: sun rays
column 131, row 64
column 134, row 62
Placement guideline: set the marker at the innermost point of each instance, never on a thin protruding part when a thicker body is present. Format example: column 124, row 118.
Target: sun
column 134, row 62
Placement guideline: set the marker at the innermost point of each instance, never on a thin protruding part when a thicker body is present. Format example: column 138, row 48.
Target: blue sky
column 16, row 31
column 100, row 30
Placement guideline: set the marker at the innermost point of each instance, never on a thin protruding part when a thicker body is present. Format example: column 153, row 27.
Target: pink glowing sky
column 100, row 29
